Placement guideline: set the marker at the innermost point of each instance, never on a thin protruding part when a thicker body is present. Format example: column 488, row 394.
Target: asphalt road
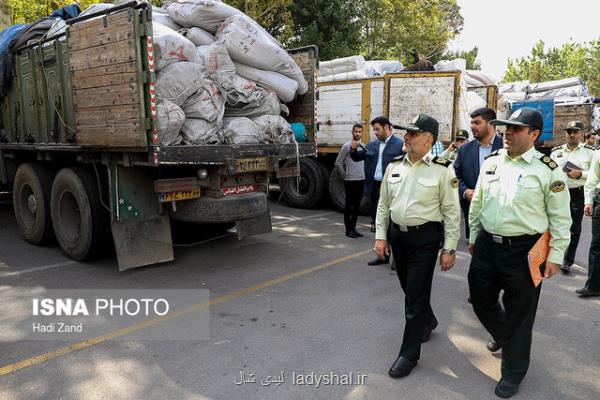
column 301, row 302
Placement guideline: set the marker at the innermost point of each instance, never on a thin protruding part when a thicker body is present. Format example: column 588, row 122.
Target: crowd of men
column 512, row 197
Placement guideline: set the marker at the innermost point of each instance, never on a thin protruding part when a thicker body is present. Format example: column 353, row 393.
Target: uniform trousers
column 577, row 216
column 593, row 282
column 504, row 266
column 354, row 192
column 415, row 254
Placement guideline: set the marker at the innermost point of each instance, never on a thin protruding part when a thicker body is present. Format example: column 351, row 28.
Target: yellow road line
column 28, row 362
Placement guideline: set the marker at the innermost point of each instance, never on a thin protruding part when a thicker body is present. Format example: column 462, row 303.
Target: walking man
column 419, row 193
column 354, row 180
column 377, row 155
column 470, row 157
column 574, row 158
column 592, row 209
column 519, row 195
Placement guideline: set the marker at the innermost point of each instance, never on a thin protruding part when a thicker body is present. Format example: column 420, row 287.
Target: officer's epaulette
column 442, row 161
column 587, row 146
column 399, row 158
column 548, row 161
column 492, row 154
column 557, row 148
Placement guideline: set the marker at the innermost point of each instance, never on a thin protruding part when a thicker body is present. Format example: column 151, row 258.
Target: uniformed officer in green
column 519, row 195
column 574, row 158
column 461, row 138
column 419, row 198
column 592, row 209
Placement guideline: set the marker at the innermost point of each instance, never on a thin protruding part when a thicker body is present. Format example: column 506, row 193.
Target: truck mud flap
column 253, row 226
column 142, row 242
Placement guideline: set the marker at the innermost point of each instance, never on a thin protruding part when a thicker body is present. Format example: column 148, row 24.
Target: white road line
column 302, row 218
column 36, row 269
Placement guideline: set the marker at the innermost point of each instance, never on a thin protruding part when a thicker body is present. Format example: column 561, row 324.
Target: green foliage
column 332, row 25
column 273, row 15
column 469, row 56
column 569, row 60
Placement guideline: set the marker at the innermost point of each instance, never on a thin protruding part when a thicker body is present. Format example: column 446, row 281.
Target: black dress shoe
column 492, row 345
column 378, row 261
column 351, row 235
column 506, row 389
column 357, row 233
column 585, row 292
column 372, row 227
column 565, row 268
column 427, row 332
column 402, row 367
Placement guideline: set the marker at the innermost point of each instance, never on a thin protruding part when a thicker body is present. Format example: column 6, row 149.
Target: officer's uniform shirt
column 593, row 179
column 413, row 194
column 581, row 156
column 449, row 154
column 524, row 195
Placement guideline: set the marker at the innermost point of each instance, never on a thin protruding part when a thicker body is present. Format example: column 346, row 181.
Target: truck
column 79, row 147
column 399, row 96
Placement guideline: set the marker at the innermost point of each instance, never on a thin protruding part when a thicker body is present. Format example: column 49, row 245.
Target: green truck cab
column 79, row 147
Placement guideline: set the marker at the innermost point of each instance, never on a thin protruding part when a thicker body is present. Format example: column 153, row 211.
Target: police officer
column 461, row 138
column 419, row 193
column 574, row 158
column 519, row 195
column 592, row 209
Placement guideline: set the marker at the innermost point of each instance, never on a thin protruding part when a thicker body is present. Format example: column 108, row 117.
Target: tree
column 332, row 25
column 569, row 60
column 469, row 56
column 273, row 15
column 396, row 29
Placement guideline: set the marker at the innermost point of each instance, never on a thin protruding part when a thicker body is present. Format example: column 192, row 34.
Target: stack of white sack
column 381, row 67
column 342, row 69
column 188, row 86
column 171, row 47
column 263, row 129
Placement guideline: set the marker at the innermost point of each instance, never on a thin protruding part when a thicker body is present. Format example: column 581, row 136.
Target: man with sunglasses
column 574, row 158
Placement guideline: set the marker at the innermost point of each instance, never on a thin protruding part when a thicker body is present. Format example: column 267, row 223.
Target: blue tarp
column 546, row 107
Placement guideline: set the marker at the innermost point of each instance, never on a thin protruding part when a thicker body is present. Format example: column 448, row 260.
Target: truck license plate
column 178, row 196
column 250, row 165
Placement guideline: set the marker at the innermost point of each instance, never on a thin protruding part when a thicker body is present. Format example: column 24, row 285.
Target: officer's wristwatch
column 449, row 251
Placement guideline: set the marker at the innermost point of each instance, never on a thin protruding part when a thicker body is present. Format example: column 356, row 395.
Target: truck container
column 79, row 147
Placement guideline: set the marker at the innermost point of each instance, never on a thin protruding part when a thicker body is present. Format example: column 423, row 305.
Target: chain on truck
column 79, row 147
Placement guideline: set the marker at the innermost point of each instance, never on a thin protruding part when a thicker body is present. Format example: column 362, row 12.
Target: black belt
column 406, row 228
column 510, row 240
column 577, row 189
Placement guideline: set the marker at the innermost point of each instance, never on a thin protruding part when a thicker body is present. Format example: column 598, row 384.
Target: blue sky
column 505, row 29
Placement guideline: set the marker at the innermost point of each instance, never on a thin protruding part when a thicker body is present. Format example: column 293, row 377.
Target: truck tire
column 337, row 192
column 80, row 222
column 31, row 202
column 325, row 174
column 311, row 189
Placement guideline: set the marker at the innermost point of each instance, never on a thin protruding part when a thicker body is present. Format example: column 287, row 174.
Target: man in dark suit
column 471, row 155
column 377, row 155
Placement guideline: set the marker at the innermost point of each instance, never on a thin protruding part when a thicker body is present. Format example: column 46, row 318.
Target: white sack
column 342, row 65
column 177, row 82
column 205, row 14
column 343, row 77
column 458, row 64
column 171, row 47
column 198, row 36
column 553, row 85
column 519, row 86
column 596, row 119
column 165, row 20
column 249, row 44
column 481, row 77
column 241, row 131
column 266, row 104
column 381, row 67
column 285, row 87
column 207, row 103
column 201, row 51
column 274, row 128
column 169, row 119
column 199, row 132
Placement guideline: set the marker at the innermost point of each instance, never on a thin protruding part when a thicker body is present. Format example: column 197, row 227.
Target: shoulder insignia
column 492, row 154
column 442, row 161
column 548, row 161
column 557, row 186
column 399, row 158
column 557, row 148
column 454, row 183
column 587, row 146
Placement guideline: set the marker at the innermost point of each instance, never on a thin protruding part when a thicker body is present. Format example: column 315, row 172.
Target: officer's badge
column 516, row 114
column 573, row 124
column 415, row 119
column 557, row 186
column 454, row 183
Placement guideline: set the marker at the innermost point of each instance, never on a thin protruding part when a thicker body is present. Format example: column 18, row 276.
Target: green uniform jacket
column 581, row 156
column 524, row 195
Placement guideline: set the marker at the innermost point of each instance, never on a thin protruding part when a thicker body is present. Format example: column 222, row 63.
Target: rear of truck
column 79, row 145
